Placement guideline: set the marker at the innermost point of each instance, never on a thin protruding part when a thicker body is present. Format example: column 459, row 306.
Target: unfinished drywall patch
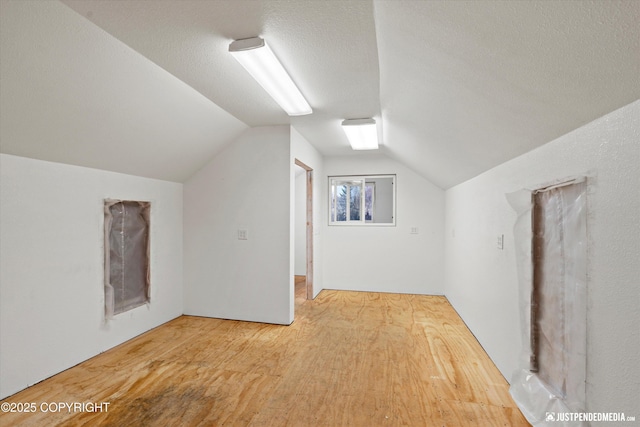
column 551, row 237
column 126, row 255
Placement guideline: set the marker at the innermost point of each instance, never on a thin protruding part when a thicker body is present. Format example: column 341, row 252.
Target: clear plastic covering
column 551, row 237
column 126, row 228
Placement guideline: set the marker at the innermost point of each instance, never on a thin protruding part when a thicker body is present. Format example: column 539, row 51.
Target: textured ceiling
column 466, row 86
column 71, row 93
column 457, row 86
column 329, row 48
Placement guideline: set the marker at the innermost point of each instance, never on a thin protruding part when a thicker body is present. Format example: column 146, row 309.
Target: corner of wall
column 246, row 187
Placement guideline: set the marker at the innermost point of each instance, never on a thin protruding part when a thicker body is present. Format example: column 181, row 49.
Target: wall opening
column 127, row 275
column 553, row 376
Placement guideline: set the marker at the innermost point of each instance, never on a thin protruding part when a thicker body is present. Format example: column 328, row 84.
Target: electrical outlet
column 243, row 234
column 500, row 241
column 414, row 230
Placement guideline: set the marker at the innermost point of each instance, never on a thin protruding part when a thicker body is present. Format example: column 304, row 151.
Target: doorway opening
column 307, row 215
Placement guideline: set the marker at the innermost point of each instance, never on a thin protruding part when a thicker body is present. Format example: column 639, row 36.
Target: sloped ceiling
column 466, row 86
column 458, row 87
column 71, row 93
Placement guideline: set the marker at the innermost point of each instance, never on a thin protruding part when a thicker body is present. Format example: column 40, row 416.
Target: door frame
column 309, row 227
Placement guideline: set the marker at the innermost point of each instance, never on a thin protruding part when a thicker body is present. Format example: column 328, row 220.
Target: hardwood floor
column 349, row 359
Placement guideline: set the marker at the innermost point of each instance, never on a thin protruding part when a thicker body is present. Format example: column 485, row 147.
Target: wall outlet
column 414, row 230
column 243, row 234
column 500, row 241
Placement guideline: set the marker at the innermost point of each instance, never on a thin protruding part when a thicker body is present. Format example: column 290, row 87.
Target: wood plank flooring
column 349, row 359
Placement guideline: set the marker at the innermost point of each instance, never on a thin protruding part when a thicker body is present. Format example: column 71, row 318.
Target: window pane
column 341, row 202
column 332, row 211
column 368, row 201
column 355, row 201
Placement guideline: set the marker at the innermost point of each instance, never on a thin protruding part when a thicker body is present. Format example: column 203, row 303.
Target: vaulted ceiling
column 458, row 87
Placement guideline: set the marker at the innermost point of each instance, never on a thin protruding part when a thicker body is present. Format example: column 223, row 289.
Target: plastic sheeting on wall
column 551, row 250
column 127, row 281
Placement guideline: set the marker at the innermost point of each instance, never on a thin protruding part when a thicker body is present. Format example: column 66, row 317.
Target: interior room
column 503, row 177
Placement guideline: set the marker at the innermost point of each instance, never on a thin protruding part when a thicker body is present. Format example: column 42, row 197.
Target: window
column 126, row 255
column 362, row 200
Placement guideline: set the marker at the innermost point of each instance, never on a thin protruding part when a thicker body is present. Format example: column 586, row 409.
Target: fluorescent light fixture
column 362, row 133
column 257, row 58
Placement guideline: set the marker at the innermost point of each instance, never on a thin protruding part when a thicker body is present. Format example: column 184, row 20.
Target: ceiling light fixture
column 362, row 133
column 259, row 60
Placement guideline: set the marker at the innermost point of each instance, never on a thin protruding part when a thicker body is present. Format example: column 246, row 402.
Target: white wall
column 300, row 218
column 52, row 257
column 385, row 258
column 302, row 150
column 482, row 281
column 246, row 186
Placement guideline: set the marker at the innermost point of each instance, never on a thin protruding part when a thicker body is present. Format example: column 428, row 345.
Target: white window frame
column 364, row 179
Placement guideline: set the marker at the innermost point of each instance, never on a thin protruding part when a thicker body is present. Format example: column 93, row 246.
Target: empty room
column 319, row 213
